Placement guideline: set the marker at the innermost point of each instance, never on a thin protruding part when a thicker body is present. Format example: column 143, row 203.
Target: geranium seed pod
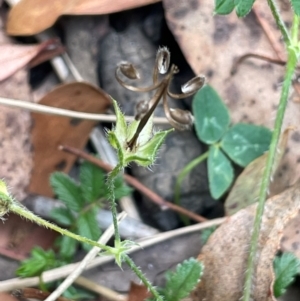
column 163, row 60
column 129, row 71
column 182, row 116
column 194, row 84
column 141, row 109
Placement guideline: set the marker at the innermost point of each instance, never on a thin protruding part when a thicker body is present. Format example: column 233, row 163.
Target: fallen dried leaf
column 30, row 17
column 290, row 241
column 15, row 57
column 245, row 190
column 226, row 253
column 138, row 292
column 51, row 131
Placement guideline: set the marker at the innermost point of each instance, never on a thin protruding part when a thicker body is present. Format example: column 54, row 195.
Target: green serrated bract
column 286, row 268
column 220, row 172
column 245, row 142
column 67, row 247
column 224, row 7
column 211, row 115
column 296, row 6
column 181, row 282
column 243, row 7
column 146, row 146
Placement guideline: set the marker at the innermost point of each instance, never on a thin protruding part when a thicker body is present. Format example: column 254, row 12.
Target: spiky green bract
column 181, row 282
column 286, row 267
column 147, row 144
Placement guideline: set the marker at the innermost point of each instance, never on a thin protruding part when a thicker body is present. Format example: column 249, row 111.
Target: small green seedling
column 241, row 143
column 286, row 267
column 182, row 281
column 82, row 201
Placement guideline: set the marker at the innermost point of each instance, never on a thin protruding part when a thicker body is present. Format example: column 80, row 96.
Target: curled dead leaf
column 226, row 253
column 29, row 17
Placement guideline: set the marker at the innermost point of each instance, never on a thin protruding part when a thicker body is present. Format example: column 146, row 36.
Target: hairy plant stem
column 22, row 211
column 275, row 12
column 111, row 186
column 145, row 281
column 183, row 173
column 290, row 68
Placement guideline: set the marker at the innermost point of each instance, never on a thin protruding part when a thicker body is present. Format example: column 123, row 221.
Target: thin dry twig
column 33, row 293
column 276, row 45
column 105, row 237
column 34, row 107
column 99, row 289
column 58, row 273
column 135, row 183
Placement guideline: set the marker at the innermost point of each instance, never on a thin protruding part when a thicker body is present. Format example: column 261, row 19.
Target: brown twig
column 256, row 56
column 276, row 45
column 33, row 293
column 135, row 183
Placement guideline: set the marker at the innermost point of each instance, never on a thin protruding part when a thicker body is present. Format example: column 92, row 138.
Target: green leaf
column 220, row 172
column 224, row 7
column 92, row 182
column 67, row 190
column 286, row 267
column 181, row 282
column 87, row 226
column 211, row 115
column 245, row 142
column 206, row 233
column 76, row 293
column 62, row 216
column 120, row 188
column 39, row 261
column 296, row 6
column 243, row 7
column 67, row 247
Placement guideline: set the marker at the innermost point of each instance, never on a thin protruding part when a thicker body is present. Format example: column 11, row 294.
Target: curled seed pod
column 129, row 70
column 184, row 118
column 141, row 109
column 194, row 84
column 163, row 60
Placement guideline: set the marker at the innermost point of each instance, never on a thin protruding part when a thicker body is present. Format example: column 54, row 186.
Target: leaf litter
column 226, row 253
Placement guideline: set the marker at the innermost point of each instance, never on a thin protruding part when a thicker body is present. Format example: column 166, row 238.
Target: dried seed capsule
column 184, row 118
column 129, row 70
column 163, row 60
column 194, row 84
column 141, row 109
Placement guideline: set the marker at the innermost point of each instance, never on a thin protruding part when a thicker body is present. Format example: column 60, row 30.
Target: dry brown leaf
column 15, row 57
column 245, row 190
column 51, row 131
column 30, row 17
column 290, row 241
column 226, row 253
column 211, row 44
column 15, row 146
column 138, row 292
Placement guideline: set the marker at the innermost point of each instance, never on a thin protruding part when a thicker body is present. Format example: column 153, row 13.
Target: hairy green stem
column 111, row 186
column 279, row 22
column 183, row 173
column 290, row 68
column 22, row 211
column 145, row 281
